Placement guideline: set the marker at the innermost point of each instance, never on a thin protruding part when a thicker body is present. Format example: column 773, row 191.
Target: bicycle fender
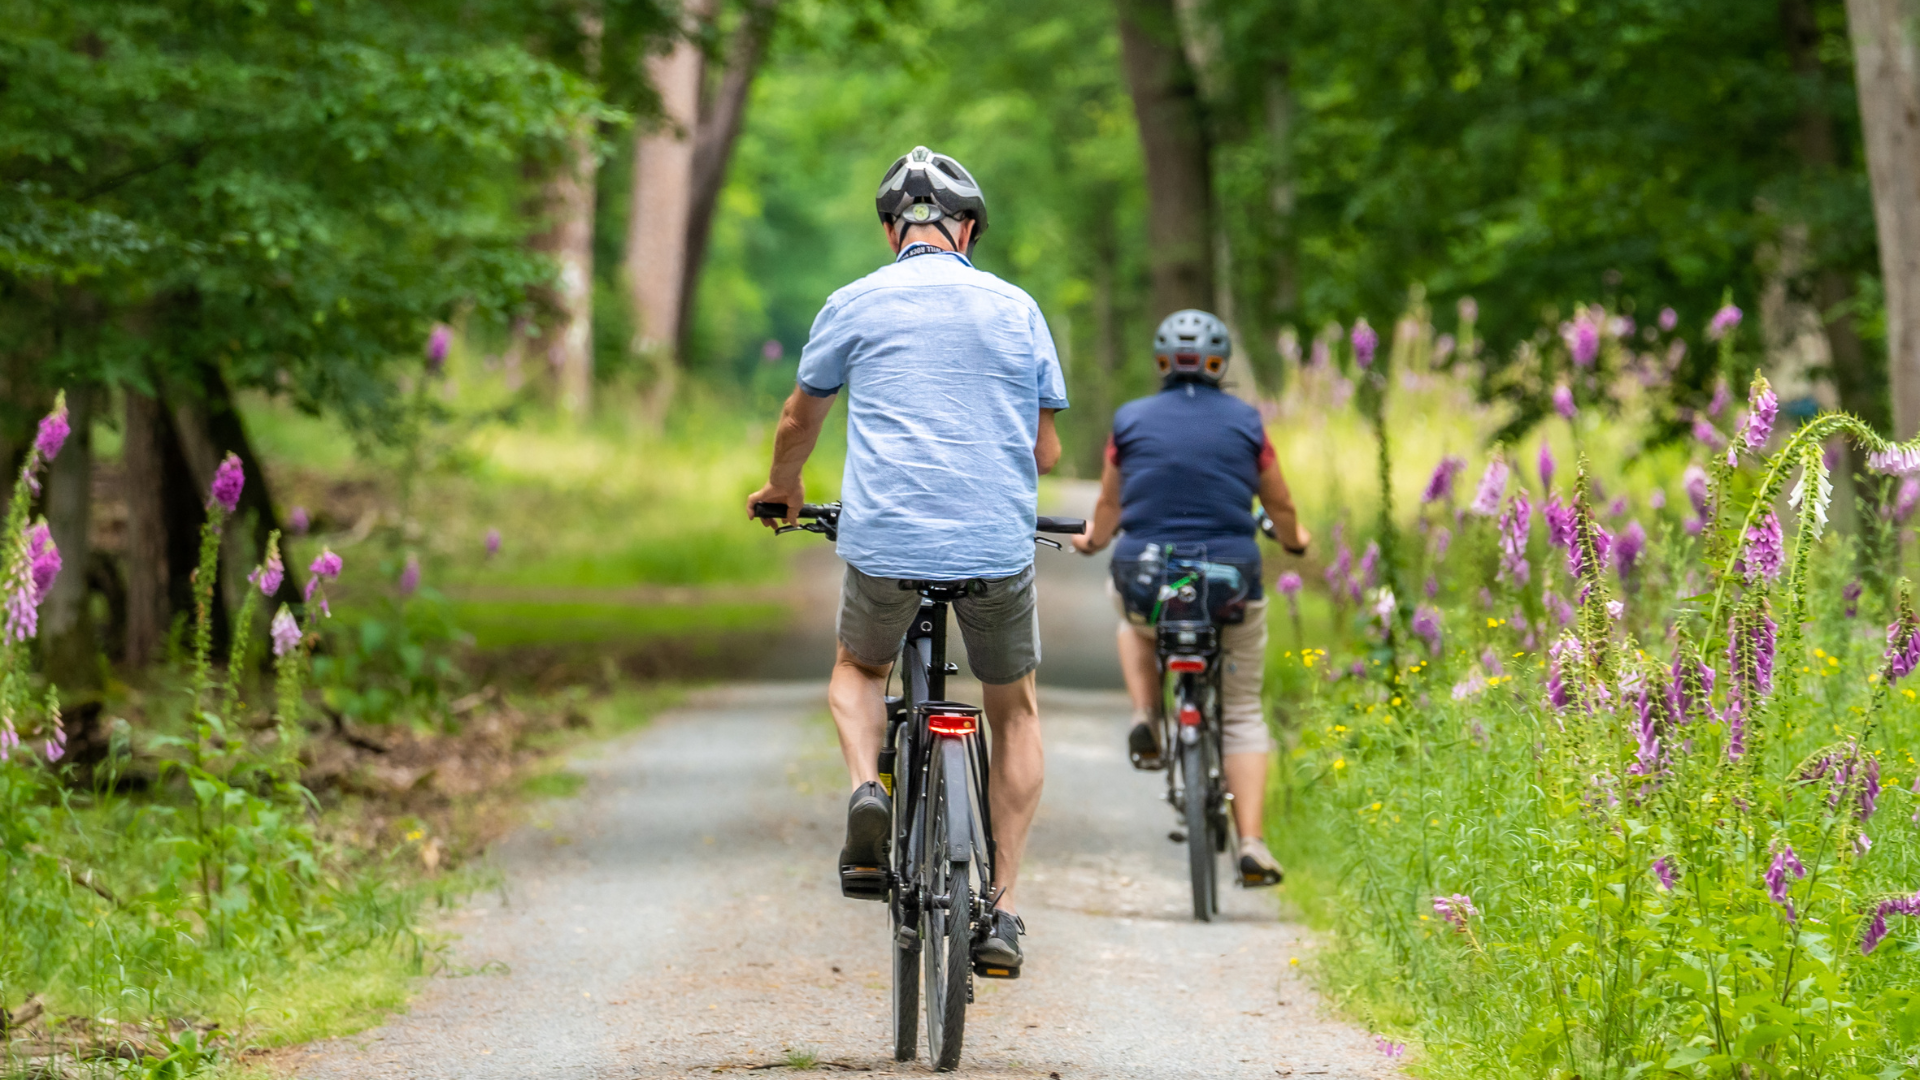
column 953, row 777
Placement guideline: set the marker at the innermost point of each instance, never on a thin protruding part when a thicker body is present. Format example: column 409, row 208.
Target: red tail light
column 1189, row 716
column 1186, row 663
column 950, row 724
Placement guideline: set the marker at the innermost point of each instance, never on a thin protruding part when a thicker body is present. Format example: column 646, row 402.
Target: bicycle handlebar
column 1069, row 526
column 816, row 511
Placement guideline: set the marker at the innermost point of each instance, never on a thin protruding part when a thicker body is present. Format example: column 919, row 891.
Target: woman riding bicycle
column 1182, row 469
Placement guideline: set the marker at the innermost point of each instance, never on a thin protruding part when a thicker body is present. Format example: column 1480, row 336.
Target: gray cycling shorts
column 1001, row 629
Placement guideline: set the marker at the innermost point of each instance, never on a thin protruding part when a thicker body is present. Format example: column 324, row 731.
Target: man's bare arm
column 1278, row 502
column 1046, row 448
column 1106, row 513
column 800, row 422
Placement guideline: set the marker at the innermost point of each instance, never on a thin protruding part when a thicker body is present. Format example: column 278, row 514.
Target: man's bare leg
column 856, row 695
column 1140, row 666
column 1247, row 782
column 1019, row 768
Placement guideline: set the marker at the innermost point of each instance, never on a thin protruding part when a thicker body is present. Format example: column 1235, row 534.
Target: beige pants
column 1243, row 651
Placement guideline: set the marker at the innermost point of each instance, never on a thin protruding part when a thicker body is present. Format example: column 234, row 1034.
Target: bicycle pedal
column 1178, row 836
column 995, row 971
column 1148, row 764
column 863, row 882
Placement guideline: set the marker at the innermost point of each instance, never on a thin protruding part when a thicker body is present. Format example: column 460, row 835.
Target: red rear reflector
column 1186, row 663
column 1189, row 716
column 948, row 724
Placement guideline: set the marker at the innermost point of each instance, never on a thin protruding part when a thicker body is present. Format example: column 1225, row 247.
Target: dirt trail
column 682, row 915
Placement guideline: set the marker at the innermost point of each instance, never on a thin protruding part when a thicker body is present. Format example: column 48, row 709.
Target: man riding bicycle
column 1182, row 470
column 952, row 383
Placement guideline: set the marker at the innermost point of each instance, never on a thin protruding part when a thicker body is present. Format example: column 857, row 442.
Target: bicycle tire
column 906, row 983
column 946, row 940
column 1203, row 864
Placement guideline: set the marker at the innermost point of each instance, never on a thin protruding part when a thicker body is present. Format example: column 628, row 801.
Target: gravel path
column 681, row 917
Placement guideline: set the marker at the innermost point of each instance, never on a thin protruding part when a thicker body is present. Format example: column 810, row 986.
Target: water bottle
column 1148, row 577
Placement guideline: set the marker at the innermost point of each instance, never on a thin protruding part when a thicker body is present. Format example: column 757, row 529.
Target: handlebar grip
column 1069, row 526
column 769, row 510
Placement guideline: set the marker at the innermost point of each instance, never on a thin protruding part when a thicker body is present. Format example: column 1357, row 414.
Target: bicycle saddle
column 946, row 590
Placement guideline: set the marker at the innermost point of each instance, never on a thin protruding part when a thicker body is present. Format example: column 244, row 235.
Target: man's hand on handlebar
column 773, row 492
column 1083, row 543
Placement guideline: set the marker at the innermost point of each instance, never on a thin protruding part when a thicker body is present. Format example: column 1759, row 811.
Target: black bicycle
column 935, row 766
column 1190, row 595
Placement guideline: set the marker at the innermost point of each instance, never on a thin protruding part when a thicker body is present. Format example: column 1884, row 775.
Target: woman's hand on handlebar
column 1083, row 543
column 776, row 492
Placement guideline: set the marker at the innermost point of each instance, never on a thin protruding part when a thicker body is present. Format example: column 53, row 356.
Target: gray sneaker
column 998, row 955
column 863, row 862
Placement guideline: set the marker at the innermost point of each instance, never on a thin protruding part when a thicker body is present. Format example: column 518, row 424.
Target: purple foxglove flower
column 1559, row 695
column 1561, row 607
column 1893, row 462
column 228, row 479
column 1669, row 319
column 1694, row 525
column 1616, row 609
column 1358, row 669
column 437, row 343
column 1785, row 862
column 56, row 742
column 53, row 431
column 1583, row 340
column 1724, row 322
column 1490, row 660
column 1320, row 355
column 1706, row 433
column 1288, row 584
column 1455, row 909
column 1336, row 574
column 1576, row 553
column 1389, row 1047
column 268, row 575
column 1440, row 484
column 1515, row 523
column 1560, row 522
column 1869, row 794
column 326, row 567
column 1621, row 326
column 1563, row 402
column 1432, row 587
column 1369, row 572
column 1903, row 649
column 1736, row 717
column 410, row 576
column 1618, row 506
column 1426, row 625
column 1657, row 500
column 1764, row 554
column 493, row 545
column 1493, row 486
column 1546, row 467
column 1384, row 605
column 298, row 522
column 1663, row 867
column 1851, row 594
column 1722, row 397
column 1694, row 480
column 1442, row 540
column 1468, row 309
column 1365, row 342
column 1763, row 408
column 1628, row 546
column 284, row 631
column 43, row 560
column 1907, row 498
column 1877, row 926
column 1647, row 760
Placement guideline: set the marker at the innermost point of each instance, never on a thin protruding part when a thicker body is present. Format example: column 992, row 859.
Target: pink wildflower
column 1724, row 322
column 1563, row 402
column 53, row 431
column 228, row 480
column 284, row 631
column 1365, row 342
column 1493, row 485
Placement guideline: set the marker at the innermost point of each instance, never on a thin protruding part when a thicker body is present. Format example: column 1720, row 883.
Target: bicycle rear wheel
column 1203, row 863
column 946, row 938
column 906, row 982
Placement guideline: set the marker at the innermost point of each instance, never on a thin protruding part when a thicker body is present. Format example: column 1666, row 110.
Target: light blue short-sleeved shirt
column 946, row 369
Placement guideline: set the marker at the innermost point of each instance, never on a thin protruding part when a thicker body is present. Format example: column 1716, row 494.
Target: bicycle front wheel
column 1203, row 863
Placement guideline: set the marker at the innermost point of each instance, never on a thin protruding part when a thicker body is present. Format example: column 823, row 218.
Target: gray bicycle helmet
column 926, row 188
column 1192, row 344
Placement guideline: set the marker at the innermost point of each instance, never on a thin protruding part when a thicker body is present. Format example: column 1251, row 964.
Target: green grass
column 500, row 625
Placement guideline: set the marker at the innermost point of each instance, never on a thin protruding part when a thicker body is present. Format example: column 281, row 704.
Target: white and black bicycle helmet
column 926, row 188
column 1192, row 344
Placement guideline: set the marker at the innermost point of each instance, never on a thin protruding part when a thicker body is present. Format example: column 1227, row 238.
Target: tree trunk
column 656, row 256
column 146, row 570
column 1858, row 387
column 713, row 141
column 567, row 200
column 1887, row 78
column 1173, row 141
column 568, row 207
column 71, row 653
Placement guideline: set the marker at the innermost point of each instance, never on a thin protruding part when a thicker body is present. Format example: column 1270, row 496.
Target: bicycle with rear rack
column 934, row 764
column 1191, row 597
